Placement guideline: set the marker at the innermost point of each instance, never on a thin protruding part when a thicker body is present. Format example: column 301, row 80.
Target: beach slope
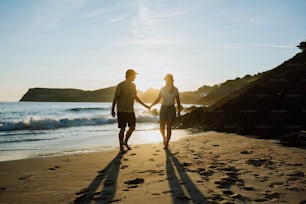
column 208, row 168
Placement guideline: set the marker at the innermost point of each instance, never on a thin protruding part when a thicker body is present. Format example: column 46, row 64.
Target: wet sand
column 210, row 168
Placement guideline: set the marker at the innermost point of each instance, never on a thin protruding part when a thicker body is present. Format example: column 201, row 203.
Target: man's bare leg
column 121, row 136
column 127, row 137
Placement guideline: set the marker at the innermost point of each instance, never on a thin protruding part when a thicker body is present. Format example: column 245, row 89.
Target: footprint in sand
column 278, row 183
column 185, row 164
column 236, row 196
column 261, row 178
column 296, row 189
column 134, row 181
column 82, row 191
column 2, row 189
column 268, row 195
column 248, row 188
column 124, row 166
column 54, row 168
column 260, row 200
column 228, row 192
column 192, row 151
column 166, row 192
column 215, row 198
column 115, row 200
column 246, row 152
column 259, row 162
column 298, row 164
column 229, row 180
column 206, row 173
column 23, row 178
column 299, row 174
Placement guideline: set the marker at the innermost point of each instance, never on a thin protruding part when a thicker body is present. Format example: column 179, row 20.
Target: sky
column 89, row 44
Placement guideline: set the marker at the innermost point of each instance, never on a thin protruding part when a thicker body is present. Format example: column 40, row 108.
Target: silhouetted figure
column 124, row 97
column 169, row 93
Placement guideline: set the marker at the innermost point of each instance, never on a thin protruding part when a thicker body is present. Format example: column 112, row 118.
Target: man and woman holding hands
column 124, row 98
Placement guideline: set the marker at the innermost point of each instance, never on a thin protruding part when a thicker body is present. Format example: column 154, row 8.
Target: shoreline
column 139, row 137
column 212, row 167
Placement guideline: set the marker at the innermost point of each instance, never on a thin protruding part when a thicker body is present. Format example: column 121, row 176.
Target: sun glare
column 148, row 78
column 152, row 136
column 152, row 70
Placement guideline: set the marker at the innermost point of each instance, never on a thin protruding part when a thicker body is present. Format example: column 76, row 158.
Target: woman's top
column 168, row 95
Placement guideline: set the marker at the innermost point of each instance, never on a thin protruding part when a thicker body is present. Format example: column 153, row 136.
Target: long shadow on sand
column 182, row 187
column 108, row 176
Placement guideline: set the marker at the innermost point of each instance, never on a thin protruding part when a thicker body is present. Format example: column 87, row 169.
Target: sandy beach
column 210, row 168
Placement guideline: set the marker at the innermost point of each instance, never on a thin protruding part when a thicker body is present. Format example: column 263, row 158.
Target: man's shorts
column 167, row 113
column 126, row 118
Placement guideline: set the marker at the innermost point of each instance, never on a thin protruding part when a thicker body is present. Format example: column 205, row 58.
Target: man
column 125, row 95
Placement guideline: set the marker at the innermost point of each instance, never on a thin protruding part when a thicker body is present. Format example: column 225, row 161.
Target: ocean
column 40, row 129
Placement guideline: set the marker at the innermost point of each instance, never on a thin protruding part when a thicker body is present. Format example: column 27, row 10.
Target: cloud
column 158, row 25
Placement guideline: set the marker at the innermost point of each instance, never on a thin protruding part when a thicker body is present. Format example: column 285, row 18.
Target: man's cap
column 169, row 77
column 130, row 72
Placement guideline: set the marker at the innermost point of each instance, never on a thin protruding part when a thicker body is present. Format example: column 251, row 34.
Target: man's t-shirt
column 168, row 95
column 126, row 93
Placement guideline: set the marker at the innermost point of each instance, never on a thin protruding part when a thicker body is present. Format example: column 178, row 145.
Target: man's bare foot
column 166, row 145
column 127, row 146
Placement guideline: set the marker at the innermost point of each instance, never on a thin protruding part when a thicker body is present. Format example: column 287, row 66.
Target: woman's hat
column 169, row 77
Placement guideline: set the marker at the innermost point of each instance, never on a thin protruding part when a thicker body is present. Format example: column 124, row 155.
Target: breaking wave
column 36, row 123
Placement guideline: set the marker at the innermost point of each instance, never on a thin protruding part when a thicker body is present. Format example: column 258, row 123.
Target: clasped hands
column 150, row 106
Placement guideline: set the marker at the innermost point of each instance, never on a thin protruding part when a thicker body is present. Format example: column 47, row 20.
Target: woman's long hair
column 169, row 82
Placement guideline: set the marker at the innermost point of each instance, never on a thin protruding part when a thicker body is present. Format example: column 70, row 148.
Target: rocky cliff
column 270, row 106
column 68, row 95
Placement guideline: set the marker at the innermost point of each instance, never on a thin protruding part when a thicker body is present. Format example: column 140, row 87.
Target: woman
column 169, row 93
